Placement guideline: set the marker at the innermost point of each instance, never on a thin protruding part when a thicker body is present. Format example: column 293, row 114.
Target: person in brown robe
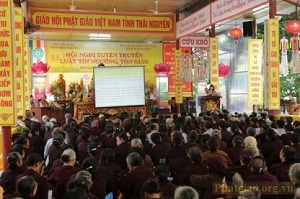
column 271, row 148
column 35, row 166
column 100, row 186
column 261, row 178
column 8, row 177
column 213, row 145
column 197, row 166
column 162, row 173
column 205, row 184
column 61, row 175
column 137, row 176
column 235, row 151
column 159, row 150
column 122, row 150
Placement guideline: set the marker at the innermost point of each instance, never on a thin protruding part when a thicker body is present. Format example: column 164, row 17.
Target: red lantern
column 235, row 33
column 162, row 69
column 223, row 70
column 40, row 68
column 293, row 27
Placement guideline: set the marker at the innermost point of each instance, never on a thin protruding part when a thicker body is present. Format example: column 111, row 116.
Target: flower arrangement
column 149, row 87
column 54, row 89
column 55, row 106
column 76, row 91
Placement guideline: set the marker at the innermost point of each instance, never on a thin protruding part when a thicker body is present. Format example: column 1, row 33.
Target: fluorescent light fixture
column 260, row 9
column 99, row 35
column 99, row 38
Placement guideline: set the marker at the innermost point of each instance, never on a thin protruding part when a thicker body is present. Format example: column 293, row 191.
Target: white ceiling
column 142, row 6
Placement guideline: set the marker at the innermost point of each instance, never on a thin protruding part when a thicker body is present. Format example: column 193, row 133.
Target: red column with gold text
column 7, row 76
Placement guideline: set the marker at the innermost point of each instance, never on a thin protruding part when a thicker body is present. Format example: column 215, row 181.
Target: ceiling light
column 99, row 38
column 260, row 9
column 99, row 35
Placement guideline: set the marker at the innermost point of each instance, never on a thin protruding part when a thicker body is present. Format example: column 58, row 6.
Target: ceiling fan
column 156, row 10
column 72, row 6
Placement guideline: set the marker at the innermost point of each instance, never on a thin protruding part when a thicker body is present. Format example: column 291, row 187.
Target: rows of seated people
column 213, row 155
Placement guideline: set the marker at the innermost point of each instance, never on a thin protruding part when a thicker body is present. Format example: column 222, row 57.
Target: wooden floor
column 1, row 192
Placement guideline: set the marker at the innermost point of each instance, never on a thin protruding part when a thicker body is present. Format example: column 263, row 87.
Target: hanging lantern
column 162, row 69
column 235, row 33
column 293, row 27
column 40, row 68
column 223, row 70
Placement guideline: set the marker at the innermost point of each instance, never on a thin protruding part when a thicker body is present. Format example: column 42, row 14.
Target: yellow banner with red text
column 273, row 64
column 214, row 63
column 27, row 72
column 7, row 65
column 178, row 84
column 99, row 21
column 255, row 78
column 81, row 57
column 19, row 24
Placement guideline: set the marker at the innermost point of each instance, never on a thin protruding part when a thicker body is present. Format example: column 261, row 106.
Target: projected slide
column 119, row 86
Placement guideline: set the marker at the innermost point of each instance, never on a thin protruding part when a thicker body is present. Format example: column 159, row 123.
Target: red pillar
column 272, row 9
column 6, row 144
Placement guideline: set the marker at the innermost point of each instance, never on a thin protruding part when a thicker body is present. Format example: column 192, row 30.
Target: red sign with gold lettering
column 169, row 58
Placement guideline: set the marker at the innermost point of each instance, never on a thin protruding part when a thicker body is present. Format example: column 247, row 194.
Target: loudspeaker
column 192, row 106
column 248, row 29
